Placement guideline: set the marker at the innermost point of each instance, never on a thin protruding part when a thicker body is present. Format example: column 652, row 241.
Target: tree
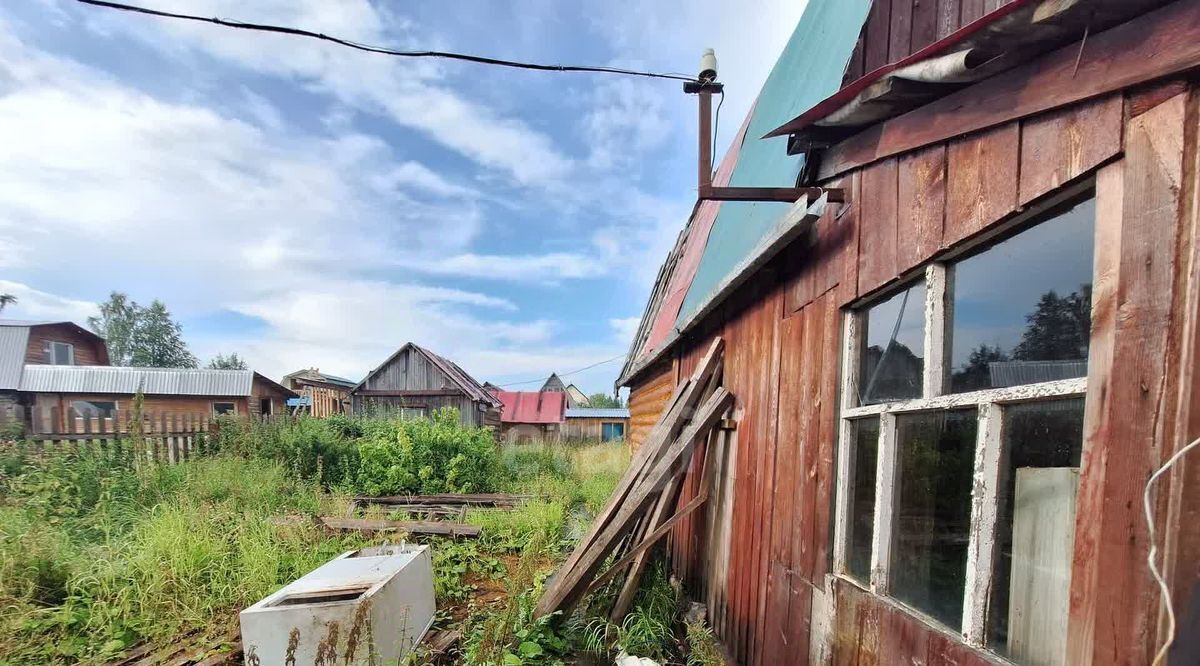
column 116, row 324
column 1058, row 329
column 975, row 374
column 6, row 300
column 231, row 362
column 139, row 336
column 604, row 400
column 158, row 342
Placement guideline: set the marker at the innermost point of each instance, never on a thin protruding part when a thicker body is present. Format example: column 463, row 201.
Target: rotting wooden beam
column 1156, row 45
column 441, row 528
column 570, row 586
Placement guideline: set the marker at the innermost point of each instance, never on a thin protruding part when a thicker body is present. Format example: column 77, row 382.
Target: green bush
column 425, row 456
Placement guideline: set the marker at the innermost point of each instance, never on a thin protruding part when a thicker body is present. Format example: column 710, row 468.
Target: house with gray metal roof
column 53, row 373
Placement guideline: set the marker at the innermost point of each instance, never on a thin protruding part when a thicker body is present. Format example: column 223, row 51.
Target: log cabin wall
column 88, row 349
column 763, row 562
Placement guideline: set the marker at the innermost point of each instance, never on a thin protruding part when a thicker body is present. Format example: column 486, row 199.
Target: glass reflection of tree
column 1058, row 329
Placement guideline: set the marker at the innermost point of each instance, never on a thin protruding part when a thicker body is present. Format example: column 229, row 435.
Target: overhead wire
column 448, row 55
column 568, row 374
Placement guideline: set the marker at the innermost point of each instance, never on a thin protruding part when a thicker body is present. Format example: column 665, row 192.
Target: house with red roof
column 527, row 416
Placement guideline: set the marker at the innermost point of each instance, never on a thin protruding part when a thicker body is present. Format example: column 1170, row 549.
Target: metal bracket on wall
column 708, row 192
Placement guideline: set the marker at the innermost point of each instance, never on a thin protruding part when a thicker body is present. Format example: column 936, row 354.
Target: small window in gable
column 60, row 353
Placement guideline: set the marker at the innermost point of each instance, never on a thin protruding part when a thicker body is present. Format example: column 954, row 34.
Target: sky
column 307, row 205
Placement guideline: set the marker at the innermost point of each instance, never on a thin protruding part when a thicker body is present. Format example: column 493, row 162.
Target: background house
column 531, row 415
column 41, row 343
column 414, row 382
column 59, row 394
column 52, row 372
column 575, row 397
column 320, row 394
column 595, row 423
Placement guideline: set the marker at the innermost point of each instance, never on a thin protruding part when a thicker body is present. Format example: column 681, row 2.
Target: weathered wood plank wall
column 782, row 337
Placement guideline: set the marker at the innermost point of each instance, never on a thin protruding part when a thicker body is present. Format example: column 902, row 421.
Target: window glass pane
column 933, row 511
column 1035, row 530
column 90, row 408
column 61, row 353
column 1022, row 308
column 220, row 408
column 892, row 361
column 864, row 437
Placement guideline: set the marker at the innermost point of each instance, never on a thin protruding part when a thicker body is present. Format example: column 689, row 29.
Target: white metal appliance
column 364, row 606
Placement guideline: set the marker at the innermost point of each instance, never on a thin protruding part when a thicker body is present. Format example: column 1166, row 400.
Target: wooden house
column 320, row 394
column 595, row 424
column 414, row 382
column 531, row 416
column 575, row 397
column 52, row 373
column 959, row 365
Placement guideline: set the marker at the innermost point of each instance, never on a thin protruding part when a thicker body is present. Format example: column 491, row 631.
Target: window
column 223, row 408
column 864, row 437
column 612, row 431
column 412, row 413
column 60, row 353
column 105, row 409
column 1032, row 325
column 961, row 434
column 892, row 365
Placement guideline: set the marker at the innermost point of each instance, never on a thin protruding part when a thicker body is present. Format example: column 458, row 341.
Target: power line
column 568, row 374
column 263, row 27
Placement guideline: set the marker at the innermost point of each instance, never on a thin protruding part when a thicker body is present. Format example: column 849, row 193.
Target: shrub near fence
column 154, row 438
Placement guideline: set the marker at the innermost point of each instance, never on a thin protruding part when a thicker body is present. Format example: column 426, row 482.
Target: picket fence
column 165, row 437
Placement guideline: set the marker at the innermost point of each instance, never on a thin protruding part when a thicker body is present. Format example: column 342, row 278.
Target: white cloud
column 410, row 93
column 626, row 119
column 549, row 268
column 34, row 304
column 625, row 328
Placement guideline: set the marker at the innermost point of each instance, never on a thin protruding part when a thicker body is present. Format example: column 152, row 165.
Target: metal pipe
column 705, row 139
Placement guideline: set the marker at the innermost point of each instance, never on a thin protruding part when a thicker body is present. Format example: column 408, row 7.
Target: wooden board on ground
column 441, row 528
column 472, row 499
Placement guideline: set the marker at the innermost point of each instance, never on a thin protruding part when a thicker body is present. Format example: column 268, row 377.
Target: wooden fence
column 164, row 437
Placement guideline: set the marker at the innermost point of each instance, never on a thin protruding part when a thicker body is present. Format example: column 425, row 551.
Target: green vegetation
column 98, row 557
column 136, row 335
column 231, row 362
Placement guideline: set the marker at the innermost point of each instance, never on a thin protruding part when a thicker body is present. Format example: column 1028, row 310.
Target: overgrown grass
column 97, row 557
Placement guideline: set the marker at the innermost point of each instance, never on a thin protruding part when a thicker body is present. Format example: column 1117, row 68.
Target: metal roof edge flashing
column 799, row 218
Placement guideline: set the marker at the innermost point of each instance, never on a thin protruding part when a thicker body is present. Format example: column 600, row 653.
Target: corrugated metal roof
column 597, row 413
column 532, row 406
column 151, row 381
column 13, row 341
column 1016, row 373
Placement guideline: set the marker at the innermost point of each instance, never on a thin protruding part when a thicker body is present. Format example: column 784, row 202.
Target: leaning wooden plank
column 682, row 401
column 641, row 550
column 410, row 526
column 569, row 587
column 650, row 540
column 681, row 406
column 638, row 561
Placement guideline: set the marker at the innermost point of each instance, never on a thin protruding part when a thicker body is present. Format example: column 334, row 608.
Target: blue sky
column 304, row 205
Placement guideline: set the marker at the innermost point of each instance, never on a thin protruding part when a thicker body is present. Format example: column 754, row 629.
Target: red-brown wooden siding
column 782, row 335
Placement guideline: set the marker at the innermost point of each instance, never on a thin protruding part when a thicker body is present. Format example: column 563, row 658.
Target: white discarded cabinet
column 366, row 606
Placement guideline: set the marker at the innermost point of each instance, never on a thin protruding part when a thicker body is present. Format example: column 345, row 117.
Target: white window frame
column 52, row 345
column 990, row 404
